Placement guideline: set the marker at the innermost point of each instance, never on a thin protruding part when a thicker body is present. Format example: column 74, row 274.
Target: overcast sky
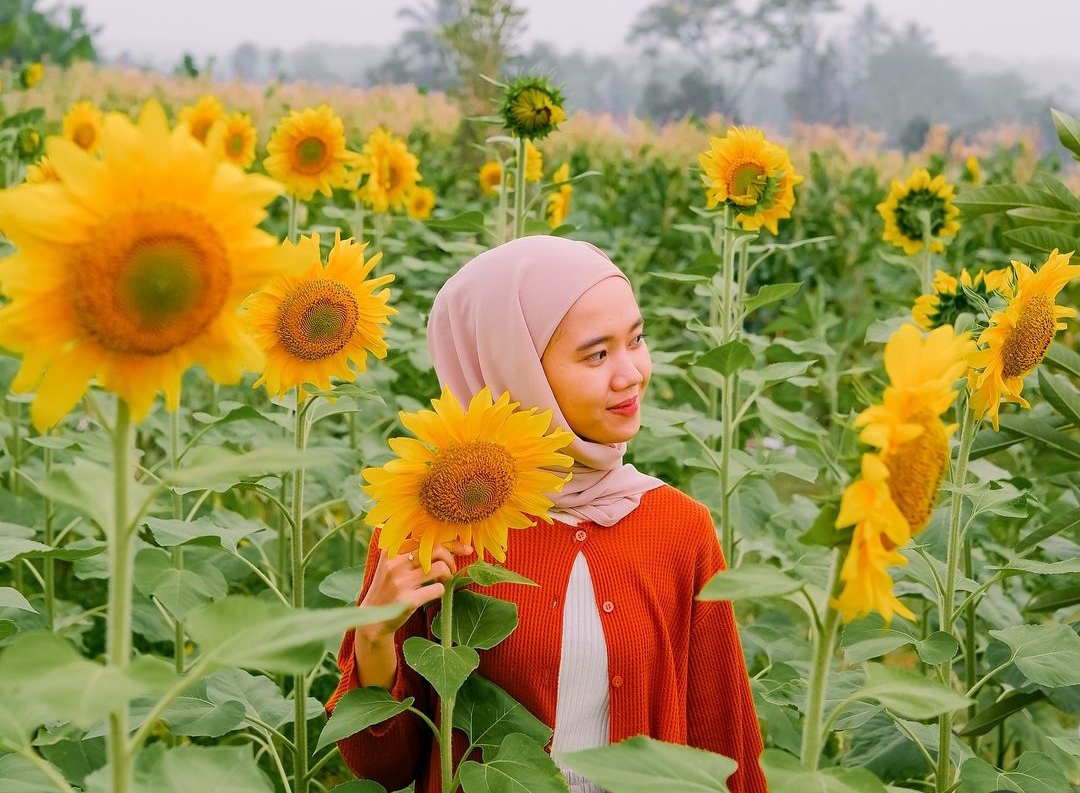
column 1031, row 30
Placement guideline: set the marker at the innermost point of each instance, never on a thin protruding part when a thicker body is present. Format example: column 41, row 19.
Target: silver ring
column 410, row 556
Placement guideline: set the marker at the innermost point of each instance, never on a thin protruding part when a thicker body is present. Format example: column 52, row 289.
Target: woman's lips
column 627, row 408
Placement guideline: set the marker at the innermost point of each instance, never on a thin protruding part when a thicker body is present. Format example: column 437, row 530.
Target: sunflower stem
column 178, row 550
column 446, row 709
column 926, row 278
column 292, row 219
column 814, row 736
column 49, row 564
column 519, row 190
column 728, row 331
column 300, row 739
column 946, row 618
column 121, row 565
column 500, row 216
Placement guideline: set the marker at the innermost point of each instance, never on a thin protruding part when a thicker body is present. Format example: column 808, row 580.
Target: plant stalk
column 300, row 738
column 813, row 738
column 446, row 709
column 121, row 564
column 519, row 191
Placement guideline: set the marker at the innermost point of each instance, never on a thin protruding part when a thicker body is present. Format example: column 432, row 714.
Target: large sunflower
column 314, row 320
column 468, row 475
column 392, row 171
column 234, row 138
column 131, row 268
column 949, row 298
column 907, row 204
column 202, row 115
column 1018, row 337
column 307, row 153
column 82, row 125
column 751, row 174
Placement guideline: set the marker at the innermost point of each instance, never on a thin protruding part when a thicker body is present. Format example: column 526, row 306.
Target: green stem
column 178, row 550
column 121, row 564
column 814, row 736
column 300, row 756
column 519, row 191
column 446, row 710
column 728, row 333
column 49, row 566
column 292, row 219
column 499, row 236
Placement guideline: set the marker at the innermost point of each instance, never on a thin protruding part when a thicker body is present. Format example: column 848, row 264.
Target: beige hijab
column 489, row 326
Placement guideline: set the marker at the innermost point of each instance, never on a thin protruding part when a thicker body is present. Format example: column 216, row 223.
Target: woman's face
column 598, row 364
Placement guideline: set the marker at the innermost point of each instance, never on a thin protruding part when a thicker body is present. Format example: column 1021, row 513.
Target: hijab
column 489, row 326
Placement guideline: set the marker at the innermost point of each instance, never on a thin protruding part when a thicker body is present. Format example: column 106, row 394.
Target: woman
column 612, row 643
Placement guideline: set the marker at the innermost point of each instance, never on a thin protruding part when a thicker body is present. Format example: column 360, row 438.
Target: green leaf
column 727, row 358
column 471, row 221
column 11, row 598
column 343, row 584
column 358, row 710
column 771, row 293
column 1062, row 396
column 261, row 697
column 999, row 198
column 1046, row 654
column 1062, row 567
column 796, row 427
column 444, row 667
column 19, row 775
column 1044, row 215
column 1068, row 131
column 907, row 694
column 268, row 635
column 12, row 548
column 1042, row 240
column 208, row 769
column 183, row 591
column 646, row 765
column 480, row 621
column 823, row 530
column 358, row 786
column 484, row 573
column 777, row 372
column 1060, row 356
column 872, row 638
column 198, row 717
column 520, row 766
column 937, row 648
column 1063, row 522
column 81, row 485
column 749, row 581
column 1055, row 599
column 988, row 718
column 487, row 714
column 218, row 468
column 1035, row 773
column 207, row 530
column 785, row 774
column 1039, row 429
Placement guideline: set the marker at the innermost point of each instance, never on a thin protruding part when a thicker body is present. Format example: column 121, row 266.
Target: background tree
column 28, row 35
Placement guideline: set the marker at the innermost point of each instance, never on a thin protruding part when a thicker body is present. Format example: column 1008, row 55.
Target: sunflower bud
column 28, row 143
column 533, row 108
column 31, row 75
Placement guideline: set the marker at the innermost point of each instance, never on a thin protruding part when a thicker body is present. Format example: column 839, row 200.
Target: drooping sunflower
column 558, row 200
column 307, row 153
column 753, row 175
column 314, row 322
column 490, row 176
column 532, row 108
column 948, row 300
column 469, row 475
column 235, row 139
column 1019, row 336
column 41, row 172
column 202, row 115
column 391, row 171
column 419, row 202
column 131, row 268
column 909, row 202
column 82, row 125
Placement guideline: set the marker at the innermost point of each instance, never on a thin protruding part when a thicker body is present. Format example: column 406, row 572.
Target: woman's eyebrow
column 605, row 339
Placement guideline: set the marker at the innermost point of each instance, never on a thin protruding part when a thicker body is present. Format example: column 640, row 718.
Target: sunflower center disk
column 309, row 155
column 468, row 483
column 84, row 136
column 150, row 280
column 317, row 319
column 748, row 184
column 916, row 469
column 909, row 217
column 1027, row 342
column 235, row 145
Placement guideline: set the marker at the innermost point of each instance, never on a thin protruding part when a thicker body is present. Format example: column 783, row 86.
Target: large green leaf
column 480, row 621
column 1055, row 599
column 1060, row 356
column 358, row 710
column 988, row 718
column 81, row 485
column 180, row 591
column 199, row 717
column 11, row 598
column 1062, row 522
column 1068, row 130
column 645, row 765
column 207, row 530
column 218, row 468
column 487, row 714
column 207, row 769
column 727, row 358
column 907, row 694
column 358, row 786
column 1043, row 431
column 484, row 573
column 1042, row 239
column 471, row 221
column 261, row 697
column 1062, row 396
column 19, row 775
column 771, row 293
column 1046, row 654
column 1035, row 773
column 796, row 427
column 444, row 667
column 785, row 774
column 749, row 581
column 520, row 766
column 263, row 634
column 1000, row 198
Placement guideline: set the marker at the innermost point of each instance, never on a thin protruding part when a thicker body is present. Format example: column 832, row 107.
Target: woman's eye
column 640, row 338
column 597, row 356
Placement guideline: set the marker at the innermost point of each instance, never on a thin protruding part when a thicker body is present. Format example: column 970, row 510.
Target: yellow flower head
column 419, row 202
column 908, row 203
column 971, row 169
column 558, row 201
column 469, row 475
column 392, row 171
column 534, row 163
column 202, row 115
column 314, row 320
column 948, row 300
column 234, row 139
column 752, row 175
column 490, row 176
column 307, row 153
column 1018, row 337
column 532, row 108
column 31, row 74
column 880, row 528
column 41, row 172
column 82, row 125
column 131, row 268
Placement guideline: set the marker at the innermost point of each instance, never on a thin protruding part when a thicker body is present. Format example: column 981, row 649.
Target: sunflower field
column 212, row 336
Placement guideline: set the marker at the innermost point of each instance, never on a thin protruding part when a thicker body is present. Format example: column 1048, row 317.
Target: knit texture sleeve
column 392, row 752
column 720, row 708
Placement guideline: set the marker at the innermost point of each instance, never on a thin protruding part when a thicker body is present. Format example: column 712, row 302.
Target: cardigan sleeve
column 720, row 708
column 392, row 752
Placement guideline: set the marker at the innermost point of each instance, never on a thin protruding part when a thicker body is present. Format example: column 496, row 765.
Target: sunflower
column 880, row 528
column 313, row 320
column 131, row 268
column 532, row 108
column 949, row 299
column 419, row 202
column 41, row 172
column 29, row 144
column 392, row 171
column 751, row 174
column 558, row 201
column 234, row 138
column 910, row 202
column 971, row 169
column 307, row 153
column 469, row 475
column 202, row 115
column 82, row 125
column 31, row 74
column 1018, row 337
column 491, row 176
column 534, row 163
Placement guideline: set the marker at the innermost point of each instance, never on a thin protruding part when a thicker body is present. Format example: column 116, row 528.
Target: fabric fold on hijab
column 490, row 325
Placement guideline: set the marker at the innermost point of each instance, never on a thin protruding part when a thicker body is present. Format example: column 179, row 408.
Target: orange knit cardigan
column 675, row 666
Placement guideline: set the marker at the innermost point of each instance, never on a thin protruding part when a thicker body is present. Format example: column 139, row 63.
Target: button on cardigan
column 675, row 665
